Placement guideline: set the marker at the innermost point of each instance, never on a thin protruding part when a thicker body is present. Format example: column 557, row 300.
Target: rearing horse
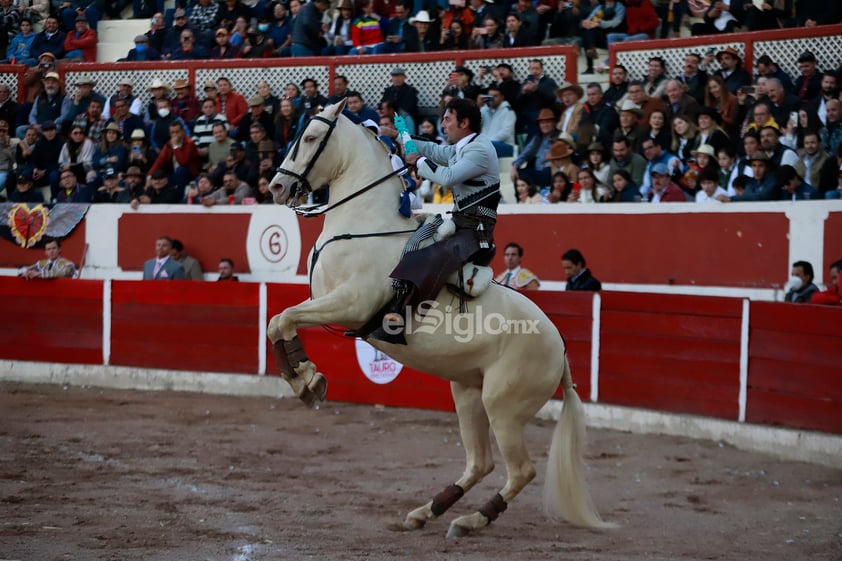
column 498, row 379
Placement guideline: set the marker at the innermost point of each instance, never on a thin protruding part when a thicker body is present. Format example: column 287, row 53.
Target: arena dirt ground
column 90, row 474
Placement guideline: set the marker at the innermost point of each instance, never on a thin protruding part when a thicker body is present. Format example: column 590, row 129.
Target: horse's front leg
column 296, row 368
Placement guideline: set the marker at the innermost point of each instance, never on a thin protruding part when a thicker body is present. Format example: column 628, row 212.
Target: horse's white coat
column 498, row 381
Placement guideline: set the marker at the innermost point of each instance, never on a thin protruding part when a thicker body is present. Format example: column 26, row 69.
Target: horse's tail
column 565, row 489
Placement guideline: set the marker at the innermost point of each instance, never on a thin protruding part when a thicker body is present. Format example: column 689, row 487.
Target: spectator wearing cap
column 77, row 104
column 184, row 104
column 574, row 120
column 230, row 103
column 158, row 191
column 427, row 39
column 708, row 122
column 222, row 48
column 403, row 96
column 257, row 115
column 173, row 37
column 111, row 152
column 111, row 191
column 20, row 47
column 630, row 126
column 656, row 156
column 49, row 40
column 81, row 42
column 125, row 89
column 133, row 181
column 142, row 50
column 23, row 191
column 731, row 70
column 464, row 83
column 159, row 90
column 188, row 49
column 534, row 155
column 46, row 154
column 663, row 189
column 178, row 158
column 307, row 29
column 127, row 121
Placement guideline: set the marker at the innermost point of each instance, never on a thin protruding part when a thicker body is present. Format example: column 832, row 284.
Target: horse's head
column 298, row 174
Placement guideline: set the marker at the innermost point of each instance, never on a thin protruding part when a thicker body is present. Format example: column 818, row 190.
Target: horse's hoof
column 318, row 386
column 309, row 398
column 456, row 532
column 413, row 523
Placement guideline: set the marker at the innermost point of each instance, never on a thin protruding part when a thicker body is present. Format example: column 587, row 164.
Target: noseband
column 303, row 187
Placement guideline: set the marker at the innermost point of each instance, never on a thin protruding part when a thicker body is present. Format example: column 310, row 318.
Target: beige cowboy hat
column 423, row 16
column 706, row 149
column 560, row 150
column 158, row 83
column 546, row 114
column 180, row 83
column 84, row 81
column 570, row 86
column 631, row 107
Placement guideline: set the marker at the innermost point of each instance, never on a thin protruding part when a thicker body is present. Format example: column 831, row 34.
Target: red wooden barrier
column 184, row 325
column 337, row 358
column 795, row 366
column 56, row 320
column 670, row 353
column 572, row 314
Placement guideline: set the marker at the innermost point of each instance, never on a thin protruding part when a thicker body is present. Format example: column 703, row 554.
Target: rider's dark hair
column 574, row 256
column 466, row 109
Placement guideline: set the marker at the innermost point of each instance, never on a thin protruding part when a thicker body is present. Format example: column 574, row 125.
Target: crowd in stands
column 706, row 132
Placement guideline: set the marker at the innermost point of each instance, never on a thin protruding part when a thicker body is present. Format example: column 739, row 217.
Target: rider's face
column 453, row 129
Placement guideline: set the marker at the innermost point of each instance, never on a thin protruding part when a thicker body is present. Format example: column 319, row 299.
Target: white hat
column 158, row 83
column 629, row 105
column 423, row 16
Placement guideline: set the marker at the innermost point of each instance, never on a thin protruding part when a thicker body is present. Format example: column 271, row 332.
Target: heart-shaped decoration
column 28, row 224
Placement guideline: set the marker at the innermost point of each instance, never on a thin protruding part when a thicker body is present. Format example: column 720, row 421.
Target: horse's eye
column 309, row 138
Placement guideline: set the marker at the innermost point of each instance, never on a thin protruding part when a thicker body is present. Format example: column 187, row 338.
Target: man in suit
column 468, row 166
column 579, row 277
column 163, row 266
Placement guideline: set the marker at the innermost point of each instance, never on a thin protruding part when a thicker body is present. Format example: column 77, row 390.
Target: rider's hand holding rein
column 411, row 158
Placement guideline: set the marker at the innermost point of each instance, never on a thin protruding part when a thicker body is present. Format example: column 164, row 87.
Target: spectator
column 125, row 89
column 286, row 122
column 427, row 39
column 561, row 156
column 230, row 11
column 159, row 90
column 516, row 34
column 23, row 191
column 25, row 148
column 162, row 266
column 222, row 48
column 184, row 105
column 19, row 50
column 693, row 78
column 763, row 185
column 311, row 100
column 779, row 155
column 203, row 18
column 617, row 86
column 464, row 83
column 831, row 134
column 53, row 267
column 187, row 49
column 531, row 29
column 307, row 29
column 731, row 70
column 127, row 122
column 811, row 159
column 198, row 189
column 111, row 191
column 8, row 106
column 663, row 189
column 157, row 33
column 597, row 164
column 133, row 181
column 258, row 44
column 174, row 35
column 767, row 15
column 656, row 156
column 142, row 50
column 710, row 132
column 625, row 190
column 527, row 192
column 560, row 188
column 7, row 159
column 718, row 97
column 233, row 191
column 498, row 121
column 70, row 190
column 400, row 36
column 710, row 191
column 767, row 68
column 456, row 10
column 236, row 161
column 831, row 296
column 630, row 123
column 603, row 114
column 603, row 19
column 685, row 139
column 564, row 25
column 403, row 96
column 256, row 115
column 644, row 102
column 658, row 130
column 641, row 23
column 623, row 158
column 280, row 29
column 579, row 277
column 159, row 131
column 489, row 35
column 801, row 283
column 45, row 156
column 230, row 103
column 192, row 269
column 81, row 43
column 77, row 154
column 656, row 80
column 537, row 92
column 78, row 103
column 226, row 270
column 72, row 10
column 793, row 187
column 179, row 159
column 203, row 127
column 679, row 102
column 141, row 154
column 50, row 40
column 590, row 189
column 158, row 191
column 717, row 18
column 574, row 119
column 111, row 152
column 516, row 276
column 535, row 153
column 257, row 135
column 92, row 121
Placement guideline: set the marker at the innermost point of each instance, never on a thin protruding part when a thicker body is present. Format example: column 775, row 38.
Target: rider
column 469, row 166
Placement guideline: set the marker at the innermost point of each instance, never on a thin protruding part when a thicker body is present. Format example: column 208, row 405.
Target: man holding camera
column 498, row 121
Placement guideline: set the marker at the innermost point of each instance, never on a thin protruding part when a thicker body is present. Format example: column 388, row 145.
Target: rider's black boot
column 391, row 329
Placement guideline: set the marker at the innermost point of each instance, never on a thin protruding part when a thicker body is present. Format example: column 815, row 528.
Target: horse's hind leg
column 473, row 426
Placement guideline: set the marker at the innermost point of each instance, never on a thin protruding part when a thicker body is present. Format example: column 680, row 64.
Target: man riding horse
column 469, row 166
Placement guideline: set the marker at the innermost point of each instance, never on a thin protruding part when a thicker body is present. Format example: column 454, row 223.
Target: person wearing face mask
column 801, row 283
column 142, row 50
column 259, row 45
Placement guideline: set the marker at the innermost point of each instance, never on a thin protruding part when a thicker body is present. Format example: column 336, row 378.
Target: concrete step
column 116, row 37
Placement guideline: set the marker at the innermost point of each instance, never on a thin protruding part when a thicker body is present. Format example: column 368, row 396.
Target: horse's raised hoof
column 456, row 532
column 318, row 386
column 413, row 523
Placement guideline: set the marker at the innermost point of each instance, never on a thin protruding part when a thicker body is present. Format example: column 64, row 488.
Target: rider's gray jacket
column 469, row 167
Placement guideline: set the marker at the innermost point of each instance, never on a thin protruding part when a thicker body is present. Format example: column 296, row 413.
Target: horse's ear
column 336, row 109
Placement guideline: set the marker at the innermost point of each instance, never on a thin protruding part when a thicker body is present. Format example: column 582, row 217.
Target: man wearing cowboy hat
column 426, row 40
column 560, row 157
column 78, row 103
column 49, row 105
column 574, row 120
column 731, row 70
column 536, row 151
column 185, row 104
column 125, row 86
column 629, row 127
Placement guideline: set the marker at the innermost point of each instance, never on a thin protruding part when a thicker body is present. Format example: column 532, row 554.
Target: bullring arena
column 145, row 421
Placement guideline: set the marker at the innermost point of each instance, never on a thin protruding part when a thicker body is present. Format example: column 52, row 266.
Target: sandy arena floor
column 89, row 474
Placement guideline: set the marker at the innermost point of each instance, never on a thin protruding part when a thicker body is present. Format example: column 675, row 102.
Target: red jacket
column 186, row 155
column 829, row 297
column 85, row 42
column 641, row 17
column 235, row 107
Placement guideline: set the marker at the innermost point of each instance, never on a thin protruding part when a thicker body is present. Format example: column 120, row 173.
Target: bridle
column 303, row 187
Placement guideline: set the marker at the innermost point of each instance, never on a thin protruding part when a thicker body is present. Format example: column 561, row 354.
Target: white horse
column 499, row 380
